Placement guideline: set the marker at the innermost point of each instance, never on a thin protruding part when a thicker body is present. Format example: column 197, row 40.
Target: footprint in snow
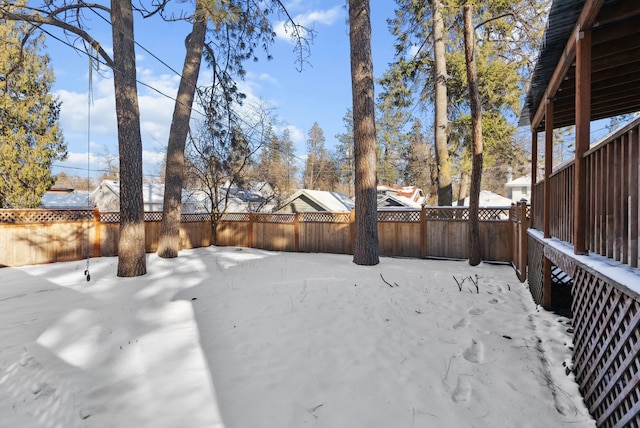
column 475, row 352
column 476, row 311
column 494, row 301
column 460, row 324
column 463, row 390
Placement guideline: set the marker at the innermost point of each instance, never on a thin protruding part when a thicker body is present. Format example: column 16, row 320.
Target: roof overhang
column 615, row 61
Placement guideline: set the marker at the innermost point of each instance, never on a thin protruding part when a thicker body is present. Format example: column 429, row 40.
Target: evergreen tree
column 343, row 156
column 392, row 138
column 30, row 137
column 320, row 171
column 507, row 37
column 420, row 169
column 277, row 166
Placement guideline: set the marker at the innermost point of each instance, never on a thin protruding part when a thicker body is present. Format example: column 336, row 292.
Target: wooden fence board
column 71, row 235
column 325, row 237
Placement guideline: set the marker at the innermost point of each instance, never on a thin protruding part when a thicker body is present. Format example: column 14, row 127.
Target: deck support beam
column 583, row 131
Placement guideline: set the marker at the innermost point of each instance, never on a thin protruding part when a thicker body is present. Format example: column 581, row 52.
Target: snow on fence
column 46, row 236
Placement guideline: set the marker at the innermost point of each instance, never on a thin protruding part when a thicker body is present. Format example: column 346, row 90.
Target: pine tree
column 320, row 170
column 30, row 137
column 507, row 37
column 344, row 156
column 366, row 249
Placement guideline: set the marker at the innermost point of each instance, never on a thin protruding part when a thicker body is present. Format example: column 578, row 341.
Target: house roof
column 389, row 201
column 331, row 201
column 490, row 199
column 152, row 193
column 78, row 199
column 615, row 61
column 523, row 181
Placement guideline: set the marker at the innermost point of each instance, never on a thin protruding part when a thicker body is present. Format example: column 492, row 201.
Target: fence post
column 250, row 237
column 296, row 232
column 96, row 232
column 423, row 231
column 522, row 250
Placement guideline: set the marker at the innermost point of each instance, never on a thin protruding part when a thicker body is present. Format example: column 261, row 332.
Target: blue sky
column 320, row 93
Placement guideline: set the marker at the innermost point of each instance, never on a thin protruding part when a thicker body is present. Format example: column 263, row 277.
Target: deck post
column 522, row 238
column 634, row 165
column 548, row 166
column 534, row 172
column 583, row 130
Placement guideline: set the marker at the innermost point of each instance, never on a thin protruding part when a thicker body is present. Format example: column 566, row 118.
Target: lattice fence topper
column 153, row 216
column 447, row 213
column 44, row 216
column 150, row 216
column 109, row 217
column 195, row 217
column 407, row 216
column 234, row 217
column 274, row 218
column 322, row 217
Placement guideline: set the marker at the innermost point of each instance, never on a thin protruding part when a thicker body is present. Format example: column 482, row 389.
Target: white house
column 519, row 188
column 490, row 199
column 107, row 198
column 66, row 199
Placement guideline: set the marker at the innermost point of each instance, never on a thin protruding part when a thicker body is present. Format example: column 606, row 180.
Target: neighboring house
column 490, row 199
column 397, row 202
column 107, row 198
column 519, row 188
column 254, row 197
column 306, row 200
column 66, row 199
column 412, row 195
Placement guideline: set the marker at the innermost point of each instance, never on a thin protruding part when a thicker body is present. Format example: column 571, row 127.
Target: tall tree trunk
column 131, row 247
column 445, row 192
column 169, row 241
column 463, row 186
column 476, row 126
column 366, row 251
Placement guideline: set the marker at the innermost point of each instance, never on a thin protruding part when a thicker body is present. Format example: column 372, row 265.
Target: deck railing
column 605, row 293
column 611, row 215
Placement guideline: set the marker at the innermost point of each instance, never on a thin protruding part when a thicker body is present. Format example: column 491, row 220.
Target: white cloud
column 296, row 134
column 156, row 111
column 309, row 20
column 266, row 77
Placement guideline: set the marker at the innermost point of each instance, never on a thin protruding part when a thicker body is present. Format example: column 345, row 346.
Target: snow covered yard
column 247, row 338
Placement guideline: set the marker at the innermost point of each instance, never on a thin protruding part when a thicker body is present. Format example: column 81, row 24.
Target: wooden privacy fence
column 429, row 232
column 45, row 236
